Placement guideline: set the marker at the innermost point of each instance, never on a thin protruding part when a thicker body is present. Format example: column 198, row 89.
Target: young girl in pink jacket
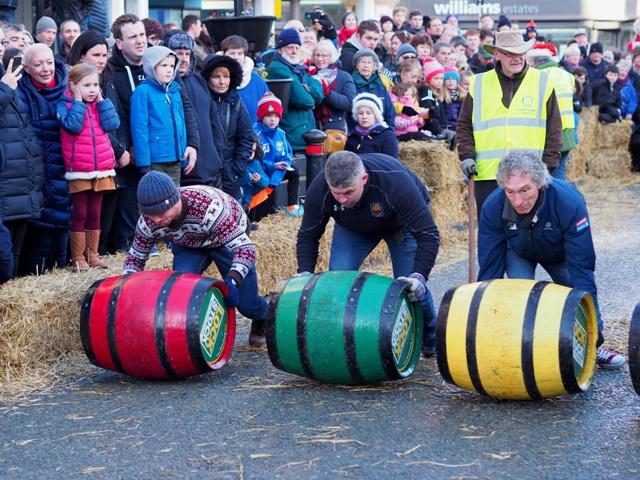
column 410, row 116
column 86, row 118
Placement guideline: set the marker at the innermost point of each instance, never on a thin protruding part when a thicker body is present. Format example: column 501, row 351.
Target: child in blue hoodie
column 158, row 126
column 277, row 161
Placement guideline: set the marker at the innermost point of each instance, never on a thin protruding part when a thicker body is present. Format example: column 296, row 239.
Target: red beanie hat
column 431, row 69
column 268, row 105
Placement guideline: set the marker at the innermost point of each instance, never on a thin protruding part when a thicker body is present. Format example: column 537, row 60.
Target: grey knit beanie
column 156, row 193
column 45, row 23
column 365, row 52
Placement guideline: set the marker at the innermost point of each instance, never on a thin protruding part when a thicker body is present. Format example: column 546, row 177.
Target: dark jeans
column 107, row 216
column 560, row 172
column 127, row 209
column 17, row 230
column 293, row 177
column 47, row 249
column 197, row 260
column 349, row 250
column 483, row 189
column 6, row 254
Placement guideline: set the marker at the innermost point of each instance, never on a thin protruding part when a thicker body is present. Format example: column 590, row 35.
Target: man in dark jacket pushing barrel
column 534, row 219
column 373, row 197
column 204, row 225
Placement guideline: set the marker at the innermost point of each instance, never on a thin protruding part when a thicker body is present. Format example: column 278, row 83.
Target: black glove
column 328, row 28
column 409, row 110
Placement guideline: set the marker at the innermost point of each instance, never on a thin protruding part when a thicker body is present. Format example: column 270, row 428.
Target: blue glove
column 232, row 298
column 416, row 286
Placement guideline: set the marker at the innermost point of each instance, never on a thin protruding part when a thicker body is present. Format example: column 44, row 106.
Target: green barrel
column 344, row 327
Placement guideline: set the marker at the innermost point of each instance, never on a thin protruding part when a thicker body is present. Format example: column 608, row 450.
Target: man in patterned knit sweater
column 204, row 225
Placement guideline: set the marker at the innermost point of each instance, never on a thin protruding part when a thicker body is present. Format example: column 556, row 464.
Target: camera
column 314, row 15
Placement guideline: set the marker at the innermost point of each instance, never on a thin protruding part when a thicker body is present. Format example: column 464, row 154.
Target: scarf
column 345, row 34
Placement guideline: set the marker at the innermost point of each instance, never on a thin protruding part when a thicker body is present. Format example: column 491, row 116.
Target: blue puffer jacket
column 21, row 162
column 41, row 105
column 251, row 89
column 374, row 85
column 158, row 128
column 560, row 234
column 276, row 149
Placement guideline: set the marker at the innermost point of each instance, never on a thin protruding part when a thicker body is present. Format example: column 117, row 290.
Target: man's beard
column 292, row 60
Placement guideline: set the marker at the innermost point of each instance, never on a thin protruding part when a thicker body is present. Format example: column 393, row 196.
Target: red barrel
column 157, row 324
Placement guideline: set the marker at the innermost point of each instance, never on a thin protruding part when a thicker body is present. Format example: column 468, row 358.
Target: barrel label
column 211, row 333
column 402, row 337
column 580, row 338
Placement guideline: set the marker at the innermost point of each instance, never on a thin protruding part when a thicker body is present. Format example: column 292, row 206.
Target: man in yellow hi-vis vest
column 510, row 107
column 563, row 82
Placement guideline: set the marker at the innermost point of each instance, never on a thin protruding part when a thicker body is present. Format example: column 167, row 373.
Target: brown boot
column 93, row 238
column 256, row 336
column 77, row 241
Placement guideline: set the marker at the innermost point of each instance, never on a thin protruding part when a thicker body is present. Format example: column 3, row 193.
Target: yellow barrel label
column 580, row 340
column 403, row 337
column 211, row 333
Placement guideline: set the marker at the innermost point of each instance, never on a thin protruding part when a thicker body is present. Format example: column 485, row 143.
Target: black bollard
column 315, row 152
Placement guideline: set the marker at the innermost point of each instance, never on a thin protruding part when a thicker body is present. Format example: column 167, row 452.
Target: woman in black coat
column 233, row 131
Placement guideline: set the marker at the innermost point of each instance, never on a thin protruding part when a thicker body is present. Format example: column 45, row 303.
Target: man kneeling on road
column 534, row 219
column 373, row 197
column 204, row 225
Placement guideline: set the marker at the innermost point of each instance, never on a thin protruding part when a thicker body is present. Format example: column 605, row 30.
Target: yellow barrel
column 517, row 339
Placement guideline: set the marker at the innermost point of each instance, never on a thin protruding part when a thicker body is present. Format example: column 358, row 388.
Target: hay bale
column 439, row 169
column 275, row 242
column 613, row 135
column 586, row 144
column 610, row 163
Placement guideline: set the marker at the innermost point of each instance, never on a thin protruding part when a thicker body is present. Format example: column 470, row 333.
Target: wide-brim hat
column 510, row 41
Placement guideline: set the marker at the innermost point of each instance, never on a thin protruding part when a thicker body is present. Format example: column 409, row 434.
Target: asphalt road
column 250, row 420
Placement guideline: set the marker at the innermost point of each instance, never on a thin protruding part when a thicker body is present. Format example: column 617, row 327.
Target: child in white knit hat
column 371, row 134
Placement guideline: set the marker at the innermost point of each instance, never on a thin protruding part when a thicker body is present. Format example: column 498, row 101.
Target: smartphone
column 17, row 61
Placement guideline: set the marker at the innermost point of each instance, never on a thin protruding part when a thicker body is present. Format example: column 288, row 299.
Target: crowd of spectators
column 161, row 97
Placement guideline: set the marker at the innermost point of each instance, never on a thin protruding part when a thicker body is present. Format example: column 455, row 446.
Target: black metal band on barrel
column 565, row 347
column 111, row 323
column 472, row 325
column 387, row 321
column 350, row 311
column 441, row 336
column 85, row 316
column 301, row 324
column 159, row 323
column 270, row 331
column 634, row 349
column 194, row 309
column 528, row 329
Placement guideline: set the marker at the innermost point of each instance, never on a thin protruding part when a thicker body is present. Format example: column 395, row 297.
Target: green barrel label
column 403, row 337
column 213, row 327
column 580, row 340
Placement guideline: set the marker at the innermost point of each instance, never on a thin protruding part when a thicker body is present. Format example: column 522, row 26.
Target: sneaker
column 256, row 336
column 295, row 211
column 154, row 252
column 428, row 350
column 254, row 226
column 609, row 359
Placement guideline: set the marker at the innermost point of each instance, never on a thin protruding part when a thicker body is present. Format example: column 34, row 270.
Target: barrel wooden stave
column 509, row 339
column 341, row 332
column 147, row 324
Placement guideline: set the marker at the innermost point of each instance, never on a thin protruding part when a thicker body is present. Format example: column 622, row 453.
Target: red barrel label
column 213, row 327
